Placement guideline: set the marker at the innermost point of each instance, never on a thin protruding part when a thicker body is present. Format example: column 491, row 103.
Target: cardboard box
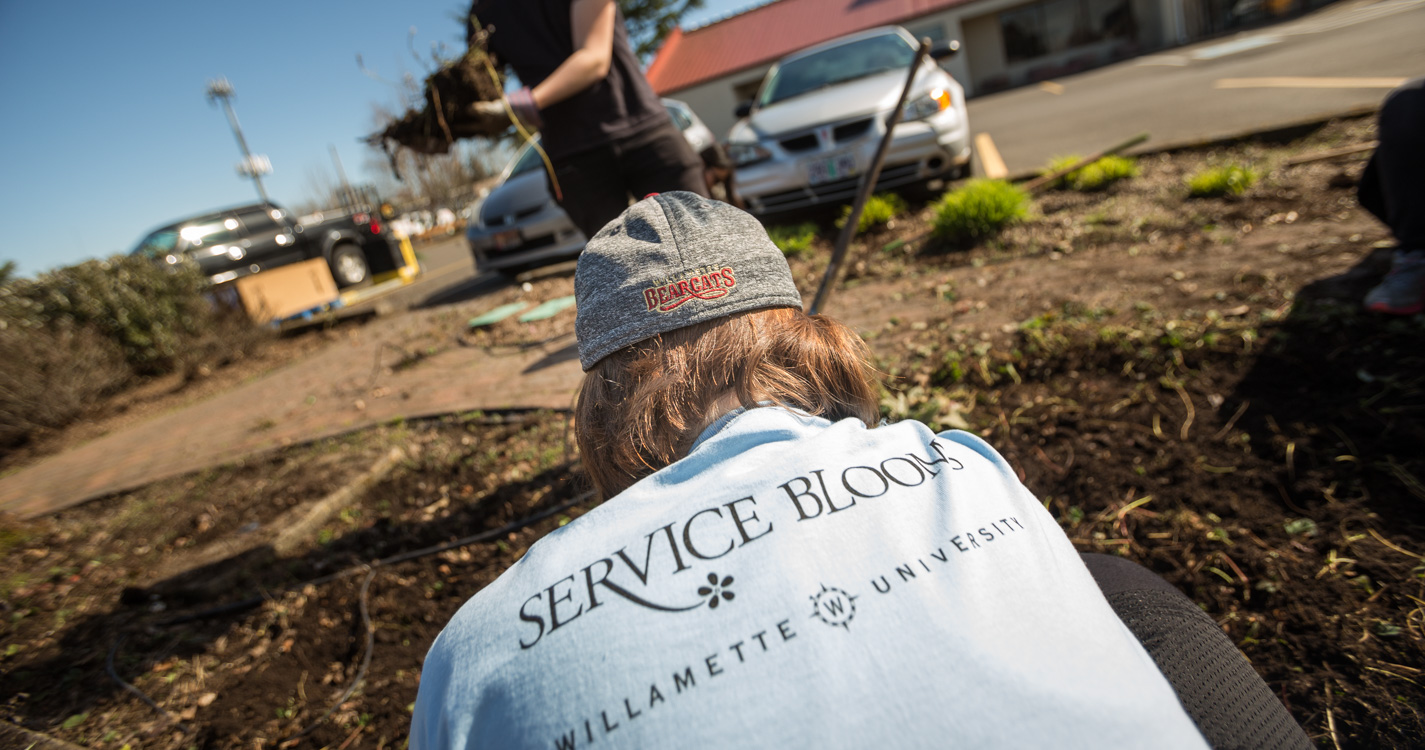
column 285, row 291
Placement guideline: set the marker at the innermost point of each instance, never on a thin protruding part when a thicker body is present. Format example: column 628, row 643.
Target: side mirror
column 743, row 109
column 944, row 49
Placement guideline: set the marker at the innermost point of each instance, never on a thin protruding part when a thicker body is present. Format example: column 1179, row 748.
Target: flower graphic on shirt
column 716, row 590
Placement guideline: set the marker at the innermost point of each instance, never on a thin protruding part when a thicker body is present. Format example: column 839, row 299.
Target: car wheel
column 349, row 266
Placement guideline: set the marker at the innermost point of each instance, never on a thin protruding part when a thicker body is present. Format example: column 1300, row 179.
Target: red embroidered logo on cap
column 708, row 283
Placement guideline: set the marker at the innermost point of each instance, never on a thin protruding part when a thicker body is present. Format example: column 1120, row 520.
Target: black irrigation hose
column 370, row 569
column 507, row 528
column 365, row 659
column 255, row 601
column 114, row 675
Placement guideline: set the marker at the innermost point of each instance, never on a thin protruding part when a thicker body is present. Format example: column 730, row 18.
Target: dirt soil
column 447, row 112
column 1188, row 383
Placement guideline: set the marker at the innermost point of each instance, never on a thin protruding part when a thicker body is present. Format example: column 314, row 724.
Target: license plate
column 828, row 168
column 507, row 239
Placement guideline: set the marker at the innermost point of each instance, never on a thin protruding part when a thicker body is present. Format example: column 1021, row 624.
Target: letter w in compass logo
column 833, row 606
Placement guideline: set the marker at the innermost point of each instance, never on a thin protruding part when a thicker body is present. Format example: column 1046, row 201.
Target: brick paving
column 307, row 400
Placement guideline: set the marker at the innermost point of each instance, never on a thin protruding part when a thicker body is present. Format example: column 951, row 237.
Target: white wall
column 984, row 50
column 714, row 101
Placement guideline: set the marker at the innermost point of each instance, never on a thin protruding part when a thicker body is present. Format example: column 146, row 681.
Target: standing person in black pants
column 1393, row 188
column 603, row 128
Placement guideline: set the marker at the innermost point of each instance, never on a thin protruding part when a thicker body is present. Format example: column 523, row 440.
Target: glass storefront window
column 1112, row 18
column 1061, row 23
column 1023, row 30
column 1044, row 28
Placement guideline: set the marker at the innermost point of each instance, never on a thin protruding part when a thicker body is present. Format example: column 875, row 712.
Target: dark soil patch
column 1278, row 486
column 446, row 113
column 232, row 679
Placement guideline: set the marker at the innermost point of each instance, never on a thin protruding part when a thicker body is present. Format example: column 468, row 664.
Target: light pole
column 220, row 90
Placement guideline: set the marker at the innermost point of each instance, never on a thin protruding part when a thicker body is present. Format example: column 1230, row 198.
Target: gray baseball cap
column 669, row 261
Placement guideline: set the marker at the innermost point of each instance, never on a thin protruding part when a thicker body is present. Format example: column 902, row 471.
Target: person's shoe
column 1402, row 291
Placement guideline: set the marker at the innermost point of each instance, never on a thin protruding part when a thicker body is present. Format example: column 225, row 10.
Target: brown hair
column 641, row 408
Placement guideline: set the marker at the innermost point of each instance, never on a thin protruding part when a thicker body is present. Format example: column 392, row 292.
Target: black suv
column 242, row 241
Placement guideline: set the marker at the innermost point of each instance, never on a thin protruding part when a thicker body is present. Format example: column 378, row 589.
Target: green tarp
column 496, row 315
column 548, row 309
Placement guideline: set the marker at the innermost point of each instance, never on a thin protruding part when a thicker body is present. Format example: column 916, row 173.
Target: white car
column 698, row 135
column 818, row 117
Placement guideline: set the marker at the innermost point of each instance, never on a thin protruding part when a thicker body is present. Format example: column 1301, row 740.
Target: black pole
column 220, row 90
column 868, row 183
column 348, row 195
column 242, row 144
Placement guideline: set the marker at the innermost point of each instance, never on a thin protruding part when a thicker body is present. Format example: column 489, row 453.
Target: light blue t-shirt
column 798, row 583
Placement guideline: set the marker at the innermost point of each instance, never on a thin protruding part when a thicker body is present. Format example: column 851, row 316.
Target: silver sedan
column 819, row 115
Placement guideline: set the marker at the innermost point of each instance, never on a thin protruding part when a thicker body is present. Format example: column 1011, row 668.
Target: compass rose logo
column 833, row 606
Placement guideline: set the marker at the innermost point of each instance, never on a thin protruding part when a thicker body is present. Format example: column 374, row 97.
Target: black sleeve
column 1230, row 703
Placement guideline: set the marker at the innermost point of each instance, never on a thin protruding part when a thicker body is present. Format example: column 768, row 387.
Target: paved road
column 449, row 277
column 1174, row 95
column 443, row 263
column 444, row 253
column 447, row 274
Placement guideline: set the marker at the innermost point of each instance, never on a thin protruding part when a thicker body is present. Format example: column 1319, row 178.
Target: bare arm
column 593, row 27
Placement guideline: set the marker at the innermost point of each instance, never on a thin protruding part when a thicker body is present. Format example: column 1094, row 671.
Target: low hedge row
column 71, row 336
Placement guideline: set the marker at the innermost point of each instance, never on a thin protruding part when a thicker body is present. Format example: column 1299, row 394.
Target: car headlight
column 934, row 102
column 745, row 154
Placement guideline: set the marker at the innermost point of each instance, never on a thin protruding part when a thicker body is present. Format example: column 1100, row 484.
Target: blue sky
column 107, row 131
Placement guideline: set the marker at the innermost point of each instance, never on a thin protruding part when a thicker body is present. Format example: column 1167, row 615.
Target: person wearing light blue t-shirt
column 771, row 567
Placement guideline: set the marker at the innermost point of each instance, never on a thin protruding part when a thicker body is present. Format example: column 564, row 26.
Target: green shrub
column 880, row 208
column 1062, row 162
column 794, row 241
column 48, row 378
column 77, row 334
column 978, row 209
column 1215, row 181
column 1094, row 176
column 148, row 310
column 1104, row 172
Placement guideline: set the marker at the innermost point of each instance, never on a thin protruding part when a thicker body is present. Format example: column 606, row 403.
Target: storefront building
column 1005, row 43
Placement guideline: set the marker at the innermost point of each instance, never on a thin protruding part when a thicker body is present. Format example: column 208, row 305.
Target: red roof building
column 1003, row 42
column 766, row 33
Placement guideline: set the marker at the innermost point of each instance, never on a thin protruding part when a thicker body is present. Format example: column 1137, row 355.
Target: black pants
column 597, row 183
column 1221, row 691
column 1393, row 186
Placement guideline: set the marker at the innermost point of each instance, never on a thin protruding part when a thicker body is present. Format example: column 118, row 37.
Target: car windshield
column 680, row 118
column 211, row 233
column 829, row 67
column 528, row 160
column 157, row 245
